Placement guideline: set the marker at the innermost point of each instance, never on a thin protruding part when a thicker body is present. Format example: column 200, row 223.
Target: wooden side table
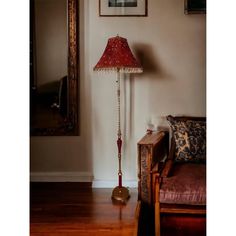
column 150, row 153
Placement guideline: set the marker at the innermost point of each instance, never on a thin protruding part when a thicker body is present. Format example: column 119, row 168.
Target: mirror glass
column 53, row 67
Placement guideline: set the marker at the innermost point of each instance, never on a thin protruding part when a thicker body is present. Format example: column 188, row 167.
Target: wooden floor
column 73, row 209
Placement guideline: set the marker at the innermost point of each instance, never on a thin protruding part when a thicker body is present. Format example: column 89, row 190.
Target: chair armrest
column 167, row 168
column 168, row 164
column 152, row 148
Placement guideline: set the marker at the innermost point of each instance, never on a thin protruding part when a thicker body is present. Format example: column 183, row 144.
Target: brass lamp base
column 120, row 194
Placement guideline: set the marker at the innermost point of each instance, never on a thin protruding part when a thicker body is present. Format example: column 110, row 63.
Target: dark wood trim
column 182, row 209
column 73, row 63
column 185, row 118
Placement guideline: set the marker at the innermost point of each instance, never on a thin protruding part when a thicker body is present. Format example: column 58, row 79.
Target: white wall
column 171, row 48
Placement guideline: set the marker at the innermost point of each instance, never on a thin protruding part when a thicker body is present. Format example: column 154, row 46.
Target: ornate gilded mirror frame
column 73, row 65
column 70, row 126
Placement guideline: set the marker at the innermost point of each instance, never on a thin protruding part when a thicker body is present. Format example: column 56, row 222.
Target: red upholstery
column 186, row 185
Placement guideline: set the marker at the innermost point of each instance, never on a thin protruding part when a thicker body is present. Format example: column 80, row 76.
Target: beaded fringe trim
column 122, row 70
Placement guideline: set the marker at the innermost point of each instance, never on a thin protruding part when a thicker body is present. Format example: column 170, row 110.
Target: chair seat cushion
column 186, row 185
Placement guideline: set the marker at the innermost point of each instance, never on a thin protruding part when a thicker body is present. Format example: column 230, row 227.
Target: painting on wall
column 195, row 6
column 122, row 7
column 122, row 3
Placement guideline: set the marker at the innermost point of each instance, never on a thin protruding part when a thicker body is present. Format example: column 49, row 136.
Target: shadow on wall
column 149, row 61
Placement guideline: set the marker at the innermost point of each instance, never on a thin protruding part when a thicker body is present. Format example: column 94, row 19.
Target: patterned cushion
column 190, row 139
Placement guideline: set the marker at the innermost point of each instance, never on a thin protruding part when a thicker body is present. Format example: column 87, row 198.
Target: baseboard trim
column 112, row 184
column 78, row 177
column 61, row 177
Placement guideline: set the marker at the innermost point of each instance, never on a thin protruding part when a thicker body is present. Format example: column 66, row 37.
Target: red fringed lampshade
column 118, row 56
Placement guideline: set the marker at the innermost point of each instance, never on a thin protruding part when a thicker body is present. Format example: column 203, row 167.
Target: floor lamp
column 118, row 57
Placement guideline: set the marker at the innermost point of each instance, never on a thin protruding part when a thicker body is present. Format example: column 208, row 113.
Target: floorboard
column 75, row 209
column 72, row 209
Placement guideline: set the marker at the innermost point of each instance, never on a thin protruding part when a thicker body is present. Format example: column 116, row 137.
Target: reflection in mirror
column 54, row 67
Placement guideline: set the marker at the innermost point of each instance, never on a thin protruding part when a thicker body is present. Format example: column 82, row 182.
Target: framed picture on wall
column 122, row 7
column 194, row 6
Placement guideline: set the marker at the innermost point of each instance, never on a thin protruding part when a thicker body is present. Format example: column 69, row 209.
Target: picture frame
column 195, row 6
column 122, row 8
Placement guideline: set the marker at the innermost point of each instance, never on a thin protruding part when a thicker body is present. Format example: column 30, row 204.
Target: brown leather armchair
column 178, row 186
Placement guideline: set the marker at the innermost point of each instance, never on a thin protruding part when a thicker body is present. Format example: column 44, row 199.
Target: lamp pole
column 119, row 193
column 119, row 140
